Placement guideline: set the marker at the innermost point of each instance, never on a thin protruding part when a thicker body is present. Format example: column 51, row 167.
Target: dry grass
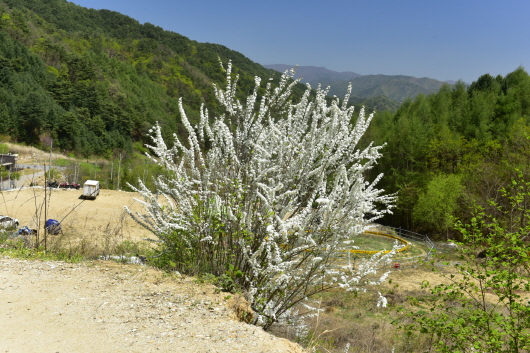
column 29, row 153
column 353, row 319
column 67, row 206
column 81, row 237
column 241, row 308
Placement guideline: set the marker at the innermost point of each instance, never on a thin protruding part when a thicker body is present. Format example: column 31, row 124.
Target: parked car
column 8, row 222
column 67, row 185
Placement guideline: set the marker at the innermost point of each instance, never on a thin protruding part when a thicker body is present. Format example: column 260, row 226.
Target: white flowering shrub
column 265, row 195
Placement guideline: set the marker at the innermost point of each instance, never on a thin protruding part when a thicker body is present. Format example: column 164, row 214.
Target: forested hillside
column 95, row 81
column 449, row 151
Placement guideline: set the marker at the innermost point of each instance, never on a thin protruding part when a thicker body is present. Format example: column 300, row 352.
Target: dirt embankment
column 108, row 307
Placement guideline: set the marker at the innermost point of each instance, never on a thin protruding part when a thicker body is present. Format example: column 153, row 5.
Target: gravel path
column 104, row 306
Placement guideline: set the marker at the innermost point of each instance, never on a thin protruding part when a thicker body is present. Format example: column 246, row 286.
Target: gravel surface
column 103, row 306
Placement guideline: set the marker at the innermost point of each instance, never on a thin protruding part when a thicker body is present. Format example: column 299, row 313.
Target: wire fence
column 405, row 237
column 412, row 236
column 417, row 238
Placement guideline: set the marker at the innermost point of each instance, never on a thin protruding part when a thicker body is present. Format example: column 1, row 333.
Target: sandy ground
column 103, row 306
column 86, row 217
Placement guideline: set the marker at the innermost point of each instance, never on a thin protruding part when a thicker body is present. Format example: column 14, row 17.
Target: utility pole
column 45, row 209
column 49, row 167
column 1, row 172
column 119, row 172
column 112, row 173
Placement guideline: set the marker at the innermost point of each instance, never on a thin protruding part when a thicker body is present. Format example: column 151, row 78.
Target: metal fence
column 413, row 237
column 404, row 236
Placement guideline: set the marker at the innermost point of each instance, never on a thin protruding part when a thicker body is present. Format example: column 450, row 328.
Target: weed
column 352, row 320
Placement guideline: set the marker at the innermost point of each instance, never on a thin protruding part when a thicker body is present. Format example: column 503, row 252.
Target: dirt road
column 108, row 307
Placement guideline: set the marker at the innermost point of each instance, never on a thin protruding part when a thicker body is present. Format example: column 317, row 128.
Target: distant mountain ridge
column 315, row 73
column 394, row 87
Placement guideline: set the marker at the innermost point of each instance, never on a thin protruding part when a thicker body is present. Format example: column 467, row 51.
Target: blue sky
column 445, row 40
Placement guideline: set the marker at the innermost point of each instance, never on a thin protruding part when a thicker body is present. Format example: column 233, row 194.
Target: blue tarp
column 23, row 231
column 53, row 226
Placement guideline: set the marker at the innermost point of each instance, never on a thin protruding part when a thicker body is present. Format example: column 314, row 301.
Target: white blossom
column 277, row 193
column 381, row 301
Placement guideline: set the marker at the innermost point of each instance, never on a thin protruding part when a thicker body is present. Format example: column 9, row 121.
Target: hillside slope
column 95, row 81
column 397, row 88
column 315, row 74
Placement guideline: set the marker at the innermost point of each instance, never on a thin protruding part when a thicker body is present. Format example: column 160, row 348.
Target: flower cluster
column 266, row 194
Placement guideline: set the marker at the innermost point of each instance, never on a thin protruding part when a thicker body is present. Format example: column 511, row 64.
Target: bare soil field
column 104, row 216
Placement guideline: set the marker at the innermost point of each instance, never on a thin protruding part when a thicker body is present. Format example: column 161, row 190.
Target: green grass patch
column 21, row 252
column 61, row 162
column 372, row 242
column 68, row 251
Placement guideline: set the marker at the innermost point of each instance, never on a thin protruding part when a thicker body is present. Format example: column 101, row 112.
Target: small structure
column 8, row 161
column 91, row 189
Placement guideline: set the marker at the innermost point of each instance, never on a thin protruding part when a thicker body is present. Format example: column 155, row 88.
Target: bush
column 264, row 196
column 485, row 307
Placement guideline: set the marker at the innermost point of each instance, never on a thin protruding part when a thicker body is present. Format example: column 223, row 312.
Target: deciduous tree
column 484, row 306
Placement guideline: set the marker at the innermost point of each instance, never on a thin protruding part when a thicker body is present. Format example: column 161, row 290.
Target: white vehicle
column 8, row 222
column 91, row 189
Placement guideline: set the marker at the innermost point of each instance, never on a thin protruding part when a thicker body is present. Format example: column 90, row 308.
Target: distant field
column 373, row 242
column 104, row 218
column 90, row 218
